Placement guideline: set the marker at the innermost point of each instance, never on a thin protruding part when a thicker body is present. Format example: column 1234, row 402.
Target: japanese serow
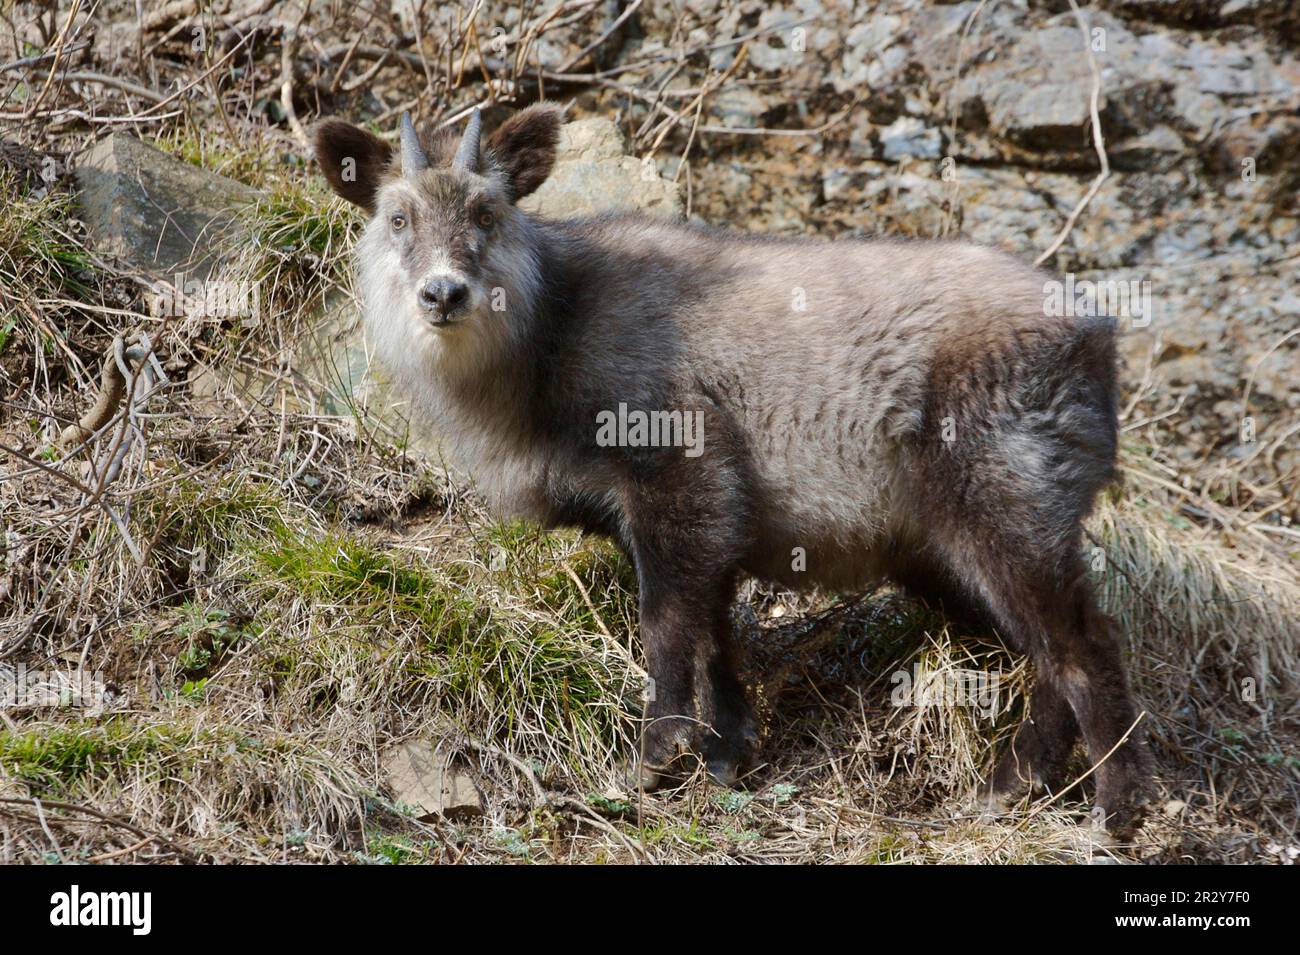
column 810, row 413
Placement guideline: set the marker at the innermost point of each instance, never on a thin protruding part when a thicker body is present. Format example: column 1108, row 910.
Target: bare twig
column 126, row 86
column 289, row 46
column 103, row 817
column 42, row 57
column 1097, row 140
column 613, row 28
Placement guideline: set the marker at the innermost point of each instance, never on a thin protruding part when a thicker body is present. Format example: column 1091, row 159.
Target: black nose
column 442, row 296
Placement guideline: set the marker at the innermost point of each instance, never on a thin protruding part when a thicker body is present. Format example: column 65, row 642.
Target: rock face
column 592, row 174
column 974, row 121
column 908, row 136
column 156, row 213
column 1037, row 94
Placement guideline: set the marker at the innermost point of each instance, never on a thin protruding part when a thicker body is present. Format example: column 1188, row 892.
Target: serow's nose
column 441, row 297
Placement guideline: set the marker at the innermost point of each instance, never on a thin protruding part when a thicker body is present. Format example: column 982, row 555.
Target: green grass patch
column 253, row 167
column 295, row 245
column 39, row 258
column 499, row 659
column 57, row 757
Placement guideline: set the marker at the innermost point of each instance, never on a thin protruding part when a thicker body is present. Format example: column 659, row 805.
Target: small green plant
column 783, row 793
column 194, row 690
column 387, row 849
column 1284, row 760
column 210, row 633
column 731, row 801
column 515, row 843
column 740, row 836
column 607, row 805
column 889, row 848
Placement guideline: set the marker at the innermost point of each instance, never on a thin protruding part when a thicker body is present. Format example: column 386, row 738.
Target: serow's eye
column 398, row 221
column 486, row 219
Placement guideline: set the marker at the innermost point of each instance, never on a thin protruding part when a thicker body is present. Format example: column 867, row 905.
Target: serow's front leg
column 697, row 711
column 685, row 519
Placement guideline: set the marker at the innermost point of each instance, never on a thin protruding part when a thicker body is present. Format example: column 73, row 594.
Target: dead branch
column 289, row 46
column 1097, row 140
column 42, row 804
column 111, row 389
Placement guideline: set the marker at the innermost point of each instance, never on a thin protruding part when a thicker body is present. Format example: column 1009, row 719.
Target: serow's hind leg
column 1080, row 687
column 1034, row 760
column 1091, row 676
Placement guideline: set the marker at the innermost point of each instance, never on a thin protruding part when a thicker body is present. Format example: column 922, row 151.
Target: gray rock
column 1196, row 111
column 156, row 213
column 1008, row 208
column 1280, row 15
column 1035, row 95
column 869, row 59
column 421, row 778
column 739, row 107
column 1156, row 148
column 908, row 136
column 1267, row 144
column 1033, row 84
column 835, row 182
column 592, row 174
column 1224, row 71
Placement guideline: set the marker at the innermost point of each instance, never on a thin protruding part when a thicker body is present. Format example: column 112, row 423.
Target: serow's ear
column 523, row 148
column 352, row 159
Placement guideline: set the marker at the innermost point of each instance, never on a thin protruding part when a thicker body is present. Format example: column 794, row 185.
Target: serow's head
column 445, row 247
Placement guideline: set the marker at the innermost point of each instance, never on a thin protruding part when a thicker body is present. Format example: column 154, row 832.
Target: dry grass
column 283, row 634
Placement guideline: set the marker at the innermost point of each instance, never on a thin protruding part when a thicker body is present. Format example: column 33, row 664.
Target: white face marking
column 501, row 288
column 440, row 266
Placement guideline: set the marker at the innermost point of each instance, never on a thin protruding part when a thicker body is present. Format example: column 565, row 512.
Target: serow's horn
column 413, row 159
column 467, row 154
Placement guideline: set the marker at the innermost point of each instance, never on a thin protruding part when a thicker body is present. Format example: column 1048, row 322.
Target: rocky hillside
column 974, row 119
